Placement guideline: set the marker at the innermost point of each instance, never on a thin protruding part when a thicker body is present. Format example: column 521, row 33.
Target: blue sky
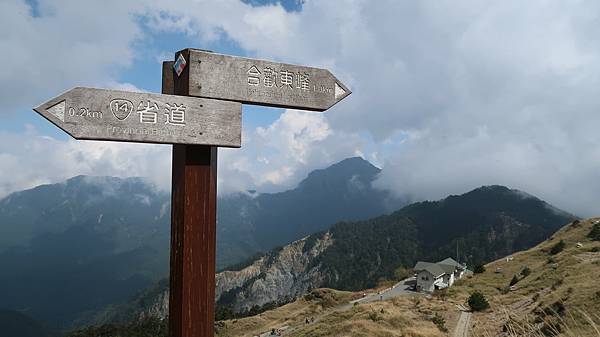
column 145, row 72
column 448, row 95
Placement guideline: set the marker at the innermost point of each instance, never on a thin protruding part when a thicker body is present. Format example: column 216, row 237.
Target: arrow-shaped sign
column 259, row 82
column 99, row 114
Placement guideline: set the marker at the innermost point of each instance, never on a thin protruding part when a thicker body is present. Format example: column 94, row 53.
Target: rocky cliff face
column 158, row 309
column 284, row 273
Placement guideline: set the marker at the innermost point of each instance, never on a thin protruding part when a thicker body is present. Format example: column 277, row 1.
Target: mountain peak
column 342, row 172
column 354, row 162
column 493, row 191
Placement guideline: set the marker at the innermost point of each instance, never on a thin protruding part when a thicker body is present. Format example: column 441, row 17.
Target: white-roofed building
column 434, row 276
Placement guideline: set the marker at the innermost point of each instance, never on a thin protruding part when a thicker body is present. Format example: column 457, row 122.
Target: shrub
column 480, row 268
column 595, row 250
column 526, row 272
column 557, row 248
column 514, row 280
column 374, row 316
column 223, row 313
column 440, row 322
column 416, row 300
column 595, row 232
column 478, row 302
column 401, row 273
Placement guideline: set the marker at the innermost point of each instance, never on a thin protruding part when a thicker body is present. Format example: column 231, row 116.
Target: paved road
column 401, row 288
column 462, row 327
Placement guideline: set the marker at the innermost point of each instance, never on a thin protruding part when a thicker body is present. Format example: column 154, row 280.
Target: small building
column 449, row 273
column 430, row 277
column 459, row 269
column 434, row 276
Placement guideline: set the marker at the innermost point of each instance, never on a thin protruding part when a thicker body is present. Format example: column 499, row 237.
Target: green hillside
column 483, row 225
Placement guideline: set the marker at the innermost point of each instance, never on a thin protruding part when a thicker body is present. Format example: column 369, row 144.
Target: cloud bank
column 470, row 93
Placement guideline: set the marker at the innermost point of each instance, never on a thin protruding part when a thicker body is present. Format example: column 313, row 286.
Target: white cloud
column 279, row 155
column 272, row 158
column 479, row 92
column 72, row 43
column 448, row 94
column 49, row 160
column 122, row 86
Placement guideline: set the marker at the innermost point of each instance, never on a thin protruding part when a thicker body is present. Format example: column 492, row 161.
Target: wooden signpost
column 259, row 82
column 199, row 110
column 99, row 114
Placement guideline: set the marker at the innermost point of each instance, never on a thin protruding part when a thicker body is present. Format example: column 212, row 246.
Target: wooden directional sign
column 259, row 82
column 196, row 126
column 99, row 114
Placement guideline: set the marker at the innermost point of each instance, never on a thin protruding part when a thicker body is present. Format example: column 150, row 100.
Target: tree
column 478, row 302
column 223, row 313
column 595, row 232
column 526, row 272
column 557, row 248
column 514, row 280
column 480, row 268
column 401, row 273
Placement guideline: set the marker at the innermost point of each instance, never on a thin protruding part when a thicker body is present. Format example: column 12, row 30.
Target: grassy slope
column 570, row 278
column 396, row 317
column 405, row 316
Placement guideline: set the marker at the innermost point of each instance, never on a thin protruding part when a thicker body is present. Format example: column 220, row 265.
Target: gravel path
column 462, row 327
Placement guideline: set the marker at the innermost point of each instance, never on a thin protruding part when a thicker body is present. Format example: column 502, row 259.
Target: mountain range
column 481, row 225
column 71, row 249
column 77, row 252
column 484, row 224
column 249, row 223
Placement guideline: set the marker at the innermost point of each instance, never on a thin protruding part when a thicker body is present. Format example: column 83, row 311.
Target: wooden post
column 193, row 230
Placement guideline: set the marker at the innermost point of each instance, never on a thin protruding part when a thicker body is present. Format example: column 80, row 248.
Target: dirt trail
column 462, row 327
